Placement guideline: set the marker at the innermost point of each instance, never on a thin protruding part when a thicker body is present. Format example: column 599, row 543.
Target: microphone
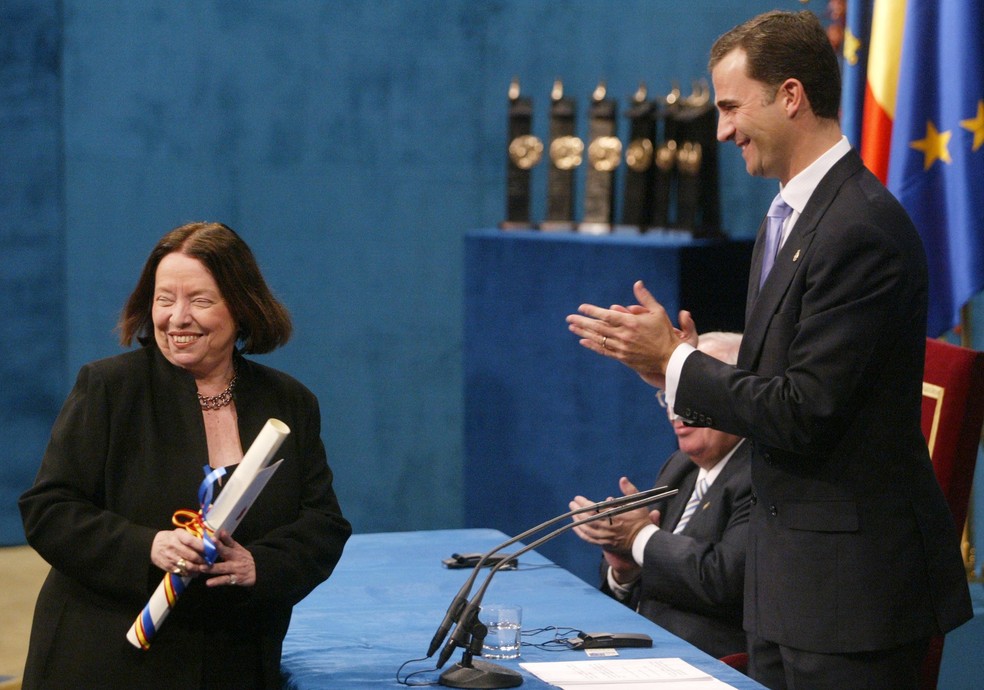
column 469, row 614
column 461, row 598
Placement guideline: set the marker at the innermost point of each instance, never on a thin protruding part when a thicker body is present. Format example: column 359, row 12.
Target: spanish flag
column 923, row 134
column 887, row 22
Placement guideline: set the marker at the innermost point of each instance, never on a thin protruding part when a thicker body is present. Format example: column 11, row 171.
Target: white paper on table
column 603, row 674
column 703, row 684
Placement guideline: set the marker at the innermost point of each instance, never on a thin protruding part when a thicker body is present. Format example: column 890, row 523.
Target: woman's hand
column 235, row 565
column 178, row 551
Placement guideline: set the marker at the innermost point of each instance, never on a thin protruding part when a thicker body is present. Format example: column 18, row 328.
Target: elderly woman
column 128, row 450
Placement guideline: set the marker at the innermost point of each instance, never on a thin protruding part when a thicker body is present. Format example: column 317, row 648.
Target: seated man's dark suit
column 692, row 582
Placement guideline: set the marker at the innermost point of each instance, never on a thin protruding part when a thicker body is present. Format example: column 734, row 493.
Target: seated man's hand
column 624, row 568
column 613, row 534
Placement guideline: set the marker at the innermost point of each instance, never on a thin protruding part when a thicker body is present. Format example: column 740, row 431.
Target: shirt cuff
column 674, row 369
column 621, row 590
column 640, row 541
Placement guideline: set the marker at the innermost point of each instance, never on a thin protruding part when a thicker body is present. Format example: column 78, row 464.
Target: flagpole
column 967, row 542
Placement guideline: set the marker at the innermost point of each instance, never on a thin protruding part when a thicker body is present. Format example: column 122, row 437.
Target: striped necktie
column 695, row 499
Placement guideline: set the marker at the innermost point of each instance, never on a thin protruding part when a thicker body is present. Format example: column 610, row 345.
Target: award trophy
column 566, row 152
column 524, row 152
column 637, row 201
column 688, row 190
column 664, row 162
column 695, row 124
column 604, row 155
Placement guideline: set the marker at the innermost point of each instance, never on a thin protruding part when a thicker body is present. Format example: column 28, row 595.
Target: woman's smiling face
column 193, row 326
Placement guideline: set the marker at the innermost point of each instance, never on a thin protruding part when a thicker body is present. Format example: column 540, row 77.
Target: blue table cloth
column 390, row 592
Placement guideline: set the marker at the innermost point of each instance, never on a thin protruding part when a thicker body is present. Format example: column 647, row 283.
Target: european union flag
column 857, row 30
column 936, row 166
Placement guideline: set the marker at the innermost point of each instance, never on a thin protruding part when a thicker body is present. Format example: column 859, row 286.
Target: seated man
column 683, row 565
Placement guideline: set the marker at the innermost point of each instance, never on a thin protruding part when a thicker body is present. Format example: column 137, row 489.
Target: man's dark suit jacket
column 851, row 545
column 692, row 582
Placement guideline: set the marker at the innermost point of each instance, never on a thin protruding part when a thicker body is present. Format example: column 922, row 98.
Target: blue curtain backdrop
column 352, row 144
column 32, row 236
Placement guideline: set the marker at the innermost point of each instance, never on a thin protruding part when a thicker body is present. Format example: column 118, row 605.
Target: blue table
column 389, row 593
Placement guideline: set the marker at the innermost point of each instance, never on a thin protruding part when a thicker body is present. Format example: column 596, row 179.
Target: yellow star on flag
column 975, row 125
column 851, row 47
column 933, row 146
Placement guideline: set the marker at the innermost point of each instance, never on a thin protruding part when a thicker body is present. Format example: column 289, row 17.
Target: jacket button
column 755, row 499
column 767, row 456
column 773, row 511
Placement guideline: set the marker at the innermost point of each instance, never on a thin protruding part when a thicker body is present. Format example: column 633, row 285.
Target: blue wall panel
column 31, row 234
column 352, row 143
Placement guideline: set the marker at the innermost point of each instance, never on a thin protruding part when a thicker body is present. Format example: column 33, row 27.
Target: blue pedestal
column 546, row 419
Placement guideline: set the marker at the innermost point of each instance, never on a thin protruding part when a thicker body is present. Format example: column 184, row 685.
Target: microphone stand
column 470, row 673
column 453, row 614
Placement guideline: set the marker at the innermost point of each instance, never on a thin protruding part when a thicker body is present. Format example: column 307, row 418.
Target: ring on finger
column 232, row 579
column 604, row 342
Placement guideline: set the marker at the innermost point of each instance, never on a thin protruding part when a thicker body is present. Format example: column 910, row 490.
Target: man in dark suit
column 682, row 566
column 853, row 561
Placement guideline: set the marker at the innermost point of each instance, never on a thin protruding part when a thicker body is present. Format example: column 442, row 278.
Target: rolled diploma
column 226, row 513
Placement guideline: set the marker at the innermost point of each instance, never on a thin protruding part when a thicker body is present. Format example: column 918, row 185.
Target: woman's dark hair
column 787, row 45
column 263, row 321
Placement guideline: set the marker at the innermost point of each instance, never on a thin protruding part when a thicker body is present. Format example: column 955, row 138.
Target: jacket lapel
column 762, row 305
column 685, row 487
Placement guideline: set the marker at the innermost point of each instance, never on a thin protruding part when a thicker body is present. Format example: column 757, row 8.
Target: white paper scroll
column 226, row 513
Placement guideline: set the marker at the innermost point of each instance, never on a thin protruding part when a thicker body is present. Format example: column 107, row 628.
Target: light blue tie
column 695, row 499
column 778, row 212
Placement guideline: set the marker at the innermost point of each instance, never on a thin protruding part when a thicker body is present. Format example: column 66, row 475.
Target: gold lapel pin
column 796, row 256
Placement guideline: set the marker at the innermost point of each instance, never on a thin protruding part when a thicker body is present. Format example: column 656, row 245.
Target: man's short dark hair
column 787, row 45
